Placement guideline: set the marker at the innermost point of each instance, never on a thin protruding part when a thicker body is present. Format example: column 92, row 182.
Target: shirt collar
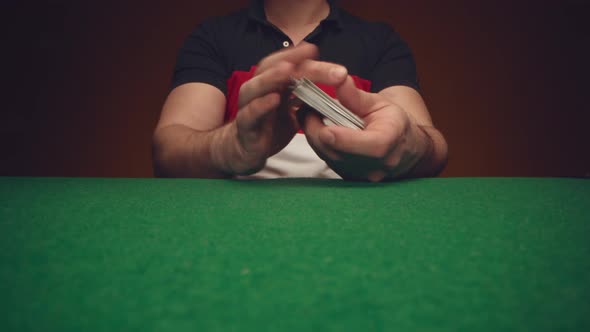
column 256, row 13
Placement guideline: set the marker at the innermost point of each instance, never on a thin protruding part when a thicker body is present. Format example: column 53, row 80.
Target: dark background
column 84, row 81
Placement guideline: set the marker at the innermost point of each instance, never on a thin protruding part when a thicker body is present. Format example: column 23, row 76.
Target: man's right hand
column 191, row 139
column 266, row 120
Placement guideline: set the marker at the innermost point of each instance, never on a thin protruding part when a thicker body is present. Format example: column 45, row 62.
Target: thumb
column 353, row 98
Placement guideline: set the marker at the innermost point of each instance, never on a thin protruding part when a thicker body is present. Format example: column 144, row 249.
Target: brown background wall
column 506, row 81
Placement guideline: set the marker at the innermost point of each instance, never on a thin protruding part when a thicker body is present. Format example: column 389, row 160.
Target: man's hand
column 191, row 139
column 266, row 121
column 393, row 144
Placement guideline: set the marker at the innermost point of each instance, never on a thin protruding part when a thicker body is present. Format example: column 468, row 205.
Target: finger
column 293, row 106
column 375, row 143
column 294, row 103
column 294, row 55
column 356, row 100
column 376, row 176
column 400, row 162
column 322, row 72
column 312, row 125
column 287, row 110
column 272, row 80
column 253, row 114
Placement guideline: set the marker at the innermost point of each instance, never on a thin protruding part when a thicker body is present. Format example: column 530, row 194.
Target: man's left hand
column 391, row 146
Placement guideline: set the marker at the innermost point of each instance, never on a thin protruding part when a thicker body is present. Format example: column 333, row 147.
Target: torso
column 229, row 48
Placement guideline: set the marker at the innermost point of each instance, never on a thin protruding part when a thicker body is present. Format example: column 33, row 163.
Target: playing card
column 314, row 97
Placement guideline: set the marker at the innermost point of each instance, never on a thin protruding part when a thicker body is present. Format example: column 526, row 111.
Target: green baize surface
column 462, row 254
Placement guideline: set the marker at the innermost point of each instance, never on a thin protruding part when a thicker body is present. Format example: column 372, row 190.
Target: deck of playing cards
column 314, row 97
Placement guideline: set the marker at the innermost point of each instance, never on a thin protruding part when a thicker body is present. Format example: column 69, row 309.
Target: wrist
column 430, row 163
column 229, row 155
column 427, row 143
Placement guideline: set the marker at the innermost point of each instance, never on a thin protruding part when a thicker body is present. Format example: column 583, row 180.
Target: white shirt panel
column 296, row 160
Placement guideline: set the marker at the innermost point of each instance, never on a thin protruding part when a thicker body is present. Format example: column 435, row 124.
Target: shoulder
column 223, row 24
column 376, row 36
column 366, row 27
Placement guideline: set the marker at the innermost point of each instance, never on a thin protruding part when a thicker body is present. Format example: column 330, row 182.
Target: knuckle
column 282, row 68
column 379, row 150
column 244, row 89
column 270, row 61
column 245, row 94
column 247, row 87
column 262, row 65
column 258, row 105
column 392, row 161
column 254, row 85
column 402, row 120
column 311, row 69
column 397, row 132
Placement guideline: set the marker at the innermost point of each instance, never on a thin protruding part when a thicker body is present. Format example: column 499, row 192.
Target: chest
column 296, row 36
column 344, row 47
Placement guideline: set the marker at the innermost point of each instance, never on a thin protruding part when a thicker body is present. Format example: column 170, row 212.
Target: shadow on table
column 312, row 182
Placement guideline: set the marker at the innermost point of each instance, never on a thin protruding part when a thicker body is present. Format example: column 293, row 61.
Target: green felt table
column 448, row 254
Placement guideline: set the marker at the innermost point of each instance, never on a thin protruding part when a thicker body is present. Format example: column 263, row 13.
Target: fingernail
column 338, row 73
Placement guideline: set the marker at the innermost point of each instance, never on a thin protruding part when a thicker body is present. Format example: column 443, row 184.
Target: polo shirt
column 224, row 51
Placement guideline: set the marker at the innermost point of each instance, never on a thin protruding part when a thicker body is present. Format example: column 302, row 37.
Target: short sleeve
column 200, row 59
column 395, row 63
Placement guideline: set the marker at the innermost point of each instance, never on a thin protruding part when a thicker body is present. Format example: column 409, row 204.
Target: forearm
column 180, row 151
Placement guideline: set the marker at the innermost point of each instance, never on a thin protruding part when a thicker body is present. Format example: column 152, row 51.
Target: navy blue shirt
column 223, row 51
